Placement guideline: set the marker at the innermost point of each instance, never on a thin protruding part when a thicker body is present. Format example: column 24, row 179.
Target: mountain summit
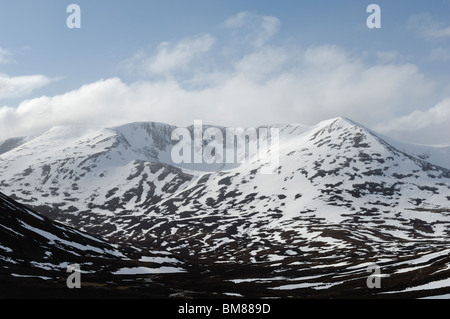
column 340, row 192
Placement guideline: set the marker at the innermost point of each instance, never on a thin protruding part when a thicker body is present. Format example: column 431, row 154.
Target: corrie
column 239, row 145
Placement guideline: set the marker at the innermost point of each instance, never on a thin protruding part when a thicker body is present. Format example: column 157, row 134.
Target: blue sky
column 237, row 63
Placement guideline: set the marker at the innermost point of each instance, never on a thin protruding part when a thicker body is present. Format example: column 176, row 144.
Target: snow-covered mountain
column 32, row 242
column 341, row 196
column 37, row 255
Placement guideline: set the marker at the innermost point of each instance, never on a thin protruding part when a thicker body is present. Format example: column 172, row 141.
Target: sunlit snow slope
column 341, row 196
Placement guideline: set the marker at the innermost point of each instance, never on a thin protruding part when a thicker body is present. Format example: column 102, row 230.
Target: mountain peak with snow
column 336, row 185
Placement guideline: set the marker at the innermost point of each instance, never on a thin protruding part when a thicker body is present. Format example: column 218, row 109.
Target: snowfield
column 341, row 197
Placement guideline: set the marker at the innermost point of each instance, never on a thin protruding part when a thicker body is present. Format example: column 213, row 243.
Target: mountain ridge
column 339, row 193
column 13, row 143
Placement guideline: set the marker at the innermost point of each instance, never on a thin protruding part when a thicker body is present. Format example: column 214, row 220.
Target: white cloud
column 256, row 29
column 429, row 27
column 20, row 86
column 387, row 56
column 236, row 21
column 270, row 85
column 439, row 54
column 429, row 125
column 171, row 59
column 255, row 65
column 5, row 56
column 263, row 85
column 190, row 53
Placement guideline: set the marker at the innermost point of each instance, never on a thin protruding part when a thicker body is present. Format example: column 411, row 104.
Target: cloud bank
column 19, row 86
column 182, row 81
